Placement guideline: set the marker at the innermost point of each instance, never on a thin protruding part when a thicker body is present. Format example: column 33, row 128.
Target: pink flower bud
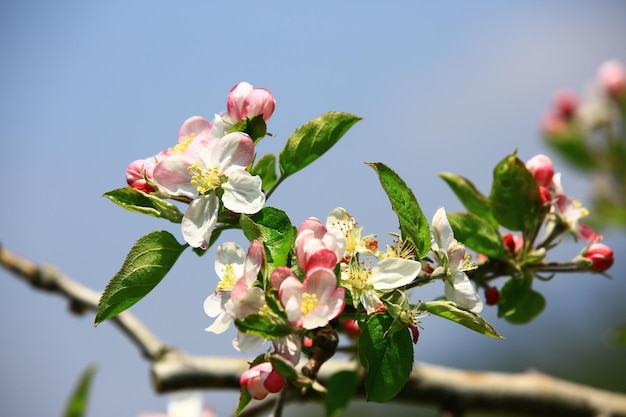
column 318, row 247
column 513, row 242
column 541, row 168
column 137, row 172
column 351, row 327
column 600, row 255
column 545, row 195
column 247, row 101
column 612, row 78
column 492, row 295
column 565, row 104
column 262, row 379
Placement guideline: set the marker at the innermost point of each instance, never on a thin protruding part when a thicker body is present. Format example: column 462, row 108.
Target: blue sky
column 88, row 87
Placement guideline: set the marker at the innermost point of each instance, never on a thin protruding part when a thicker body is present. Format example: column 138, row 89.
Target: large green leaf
column 413, row 223
column 514, row 197
column 388, row 360
column 147, row 263
column 341, row 387
column 313, row 139
column 469, row 319
column 477, row 234
column 275, row 229
column 77, row 403
column 473, row 200
column 140, row 202
column 519, row 303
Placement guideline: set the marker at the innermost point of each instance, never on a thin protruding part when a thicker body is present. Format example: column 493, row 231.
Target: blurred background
column 87, row 87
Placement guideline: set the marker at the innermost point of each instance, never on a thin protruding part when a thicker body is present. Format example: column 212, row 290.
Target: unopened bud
column 492, row 296
column 600, row 255
column 612, row 78
column 541, row 168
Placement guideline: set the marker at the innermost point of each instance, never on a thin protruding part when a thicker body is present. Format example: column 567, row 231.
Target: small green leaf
column 469, row 319
column 312, row 140
column 388, row 360
column 263, row 326
column 473, row 200
column 519, row 303
column 244, row 399
column 265, row 168
column 514, row 197
column 413, row 223
column 477, row 234
column 341, row 387
column 147, row 263
column 254, row 127
column 134, row 200
column 275, row 229
column 283, row 366
column 77, row 404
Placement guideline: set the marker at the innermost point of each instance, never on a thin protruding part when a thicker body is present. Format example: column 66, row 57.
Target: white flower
column 211, row 169
column 341, row 220
column 453, row 262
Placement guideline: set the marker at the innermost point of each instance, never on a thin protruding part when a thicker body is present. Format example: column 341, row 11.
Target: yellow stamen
column 309, row 302
column 228, row 278
column 183, row 144
column 206, row 179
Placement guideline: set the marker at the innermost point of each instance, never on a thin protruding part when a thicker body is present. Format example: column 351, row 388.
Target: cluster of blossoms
column 208, row 166
column 337, row 269
column 332, row 276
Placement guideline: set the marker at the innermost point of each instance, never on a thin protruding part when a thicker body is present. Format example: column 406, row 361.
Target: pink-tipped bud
column 246, row 101
column 565, row 104
column 541, row 168
column 137, row 172
column 262, row 379
column 513, row 243
column 351, row 327
column 492, row 296
column 612, row 78
column 600, row 255
column 545, row 195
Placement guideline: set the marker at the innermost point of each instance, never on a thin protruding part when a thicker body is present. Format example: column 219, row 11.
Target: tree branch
column 530, row 393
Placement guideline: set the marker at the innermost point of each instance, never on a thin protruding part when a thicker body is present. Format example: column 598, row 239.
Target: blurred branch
column 529, row 393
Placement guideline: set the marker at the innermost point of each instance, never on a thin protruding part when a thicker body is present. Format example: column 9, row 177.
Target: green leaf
column 265, row 168
column 147, row 263
column 388, row 361
column 341, row 387
column 413, row 223
column 275, row 229
column 255, row 127
column 473, row 200
column 573, row 145
column 244, row 399
column 263, row 326
column 77, row 404
column 140, row 202
column 283, row 366
column 477, row 234
column 514, row 198
column 469, row 319
column 313, row 139
column 519, row 303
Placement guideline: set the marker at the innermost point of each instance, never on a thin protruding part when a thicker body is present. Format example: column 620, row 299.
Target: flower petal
column 391, row 273
column 195, row 125
column 229, row 253
column 463, row 293
column 242, row 193
column 171, row 174
column 442, row 231
column 199, row 220
column 233, row 151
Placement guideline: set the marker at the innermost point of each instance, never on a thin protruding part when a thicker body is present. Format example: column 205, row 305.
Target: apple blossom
column 341, row 220
column 245, row 101
column 314, row 302
column 453, row 263
column 210, row 170
column 569, row 211
column 366, row 284
column 600, row 255
column 261, row 380
column 236, row 296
